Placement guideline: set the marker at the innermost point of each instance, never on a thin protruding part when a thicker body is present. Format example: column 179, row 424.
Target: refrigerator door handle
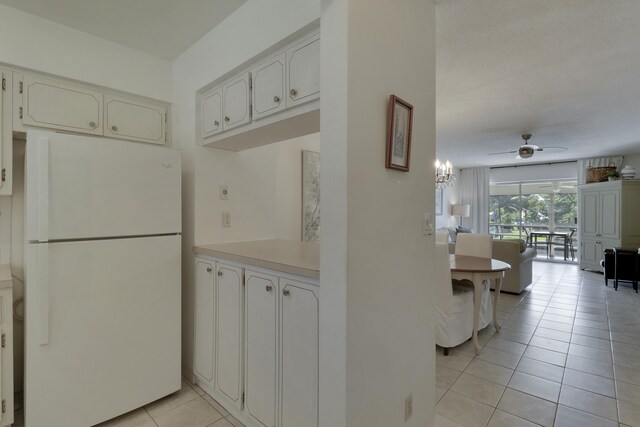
column 43, row 188
column 43, row 293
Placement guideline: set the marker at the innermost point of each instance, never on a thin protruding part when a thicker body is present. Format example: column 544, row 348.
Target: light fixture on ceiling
column 526, row 150
column 444, row 174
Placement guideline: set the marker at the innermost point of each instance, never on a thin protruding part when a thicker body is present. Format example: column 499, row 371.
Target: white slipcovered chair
column 479, row 245
column 454, row 304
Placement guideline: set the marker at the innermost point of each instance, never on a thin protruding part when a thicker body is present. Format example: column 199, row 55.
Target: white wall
column 42, row 45
column 377, row 337
column 251, row 175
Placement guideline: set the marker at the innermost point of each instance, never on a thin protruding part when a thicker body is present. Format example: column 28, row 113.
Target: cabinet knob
column 226, row 118
column 268, row 288
column 208, row 269
column 285, row 292
column 293, row 92
column 220, row 273
column 114, row 128
column 216, row 123
column 276, row 99
column 93, row 125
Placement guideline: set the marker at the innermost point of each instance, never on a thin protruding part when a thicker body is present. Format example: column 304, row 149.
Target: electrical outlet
column 224, row 192
column 226, row 219
column 408, row 407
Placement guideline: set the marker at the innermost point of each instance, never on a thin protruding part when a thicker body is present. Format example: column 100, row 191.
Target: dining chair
column 478, row 245
column 528, row 238
column 454, row 304
column 552, row 241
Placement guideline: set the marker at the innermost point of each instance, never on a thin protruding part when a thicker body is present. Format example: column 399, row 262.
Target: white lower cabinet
column 228, row 307
column 6, row 351
column 265, row 336
column 261, row 311
column 299, row 306
column 204, row 325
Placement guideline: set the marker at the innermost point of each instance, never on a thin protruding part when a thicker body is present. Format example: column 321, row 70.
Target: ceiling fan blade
column 503, row 152
column 553, row 149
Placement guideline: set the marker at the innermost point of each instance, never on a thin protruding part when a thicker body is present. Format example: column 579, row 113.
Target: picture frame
column 399, row 127
column 438, row 201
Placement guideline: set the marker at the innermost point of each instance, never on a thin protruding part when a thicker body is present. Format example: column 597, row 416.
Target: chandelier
column 444, row 174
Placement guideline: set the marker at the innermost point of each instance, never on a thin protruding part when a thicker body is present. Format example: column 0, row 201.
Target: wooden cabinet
column 211, row 112
column 607, row 214
column 228, row 332
column 299, row 354
column 261, row 301
column 204, row 323
column 268, row 87
column 6, row 347
column 235, row 102
column 135, row 120
column 260, row 329
column 271, row 100
column 56, row 104
column 303, row 71
column 6, row 136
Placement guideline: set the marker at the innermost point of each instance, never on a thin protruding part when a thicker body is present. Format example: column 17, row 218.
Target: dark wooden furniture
column 621, row 265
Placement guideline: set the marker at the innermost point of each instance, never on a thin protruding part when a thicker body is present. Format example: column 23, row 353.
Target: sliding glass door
column 546, row 208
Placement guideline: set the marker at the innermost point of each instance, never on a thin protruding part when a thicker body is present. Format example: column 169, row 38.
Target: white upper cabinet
column 235, row 102
column 5, row 133
column 211, row 110
column 268, row 87
column 303, row 72
column 273, row 99
column 134, row 120
column 59, row 105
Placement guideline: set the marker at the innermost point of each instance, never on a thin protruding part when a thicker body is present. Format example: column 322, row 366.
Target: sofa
column 515, row 253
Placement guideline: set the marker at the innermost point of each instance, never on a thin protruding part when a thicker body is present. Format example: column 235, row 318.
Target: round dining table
column 477, row 270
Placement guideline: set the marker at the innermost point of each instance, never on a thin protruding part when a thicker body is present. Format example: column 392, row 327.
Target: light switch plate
column 427, row 224
column 226, row 219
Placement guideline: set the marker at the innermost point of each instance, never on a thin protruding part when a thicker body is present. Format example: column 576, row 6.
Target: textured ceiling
column 566, row 71
column 163, row 28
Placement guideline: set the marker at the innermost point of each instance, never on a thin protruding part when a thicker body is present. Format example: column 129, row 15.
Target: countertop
column 288, row 256
column 5, row 276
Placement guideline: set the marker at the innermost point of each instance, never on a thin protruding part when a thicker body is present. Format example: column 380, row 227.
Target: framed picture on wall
column 438, row 201
column 399, row 123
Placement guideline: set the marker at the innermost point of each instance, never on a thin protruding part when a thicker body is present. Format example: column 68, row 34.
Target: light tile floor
column 568, row 354
column 189, row 407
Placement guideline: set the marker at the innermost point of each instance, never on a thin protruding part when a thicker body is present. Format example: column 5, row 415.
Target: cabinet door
column 268, row 87
column 261, row 292
column 299, row 354
column 589, row 213
column 589, row 254
column 134, row 120
column 6, row 143
column 6, row 356
column 610, row 214
column 235, row 102
column 229, row 302
column 303, row 72
column 204, row 319
column 211, row 110
column 60, row 105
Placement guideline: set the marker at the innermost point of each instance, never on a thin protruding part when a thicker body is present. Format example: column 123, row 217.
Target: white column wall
column 377, row 335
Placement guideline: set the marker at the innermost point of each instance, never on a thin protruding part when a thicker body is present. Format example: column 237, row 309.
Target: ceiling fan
column 527, row 150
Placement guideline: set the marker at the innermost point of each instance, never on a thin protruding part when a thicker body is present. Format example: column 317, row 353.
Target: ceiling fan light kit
column 527, row 150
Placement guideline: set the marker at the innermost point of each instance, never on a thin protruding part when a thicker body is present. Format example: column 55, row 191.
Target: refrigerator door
column 80, row 187
column 102, row 328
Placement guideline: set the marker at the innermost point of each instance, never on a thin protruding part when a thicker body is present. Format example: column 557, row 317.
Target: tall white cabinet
column 607, row 218
column 5, row 132
column 256, row 341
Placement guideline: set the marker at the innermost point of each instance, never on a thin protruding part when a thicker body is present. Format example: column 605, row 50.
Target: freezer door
column 102, row 328
column 80, row 187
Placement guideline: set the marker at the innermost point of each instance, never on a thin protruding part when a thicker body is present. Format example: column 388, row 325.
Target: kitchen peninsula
column 256, row 329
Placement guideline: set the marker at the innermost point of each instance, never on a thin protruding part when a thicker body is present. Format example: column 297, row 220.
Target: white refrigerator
column 102, row 278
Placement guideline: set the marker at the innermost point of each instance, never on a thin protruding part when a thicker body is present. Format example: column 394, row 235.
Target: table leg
column 566, row 247
column 496, row 300
column 477, row 302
